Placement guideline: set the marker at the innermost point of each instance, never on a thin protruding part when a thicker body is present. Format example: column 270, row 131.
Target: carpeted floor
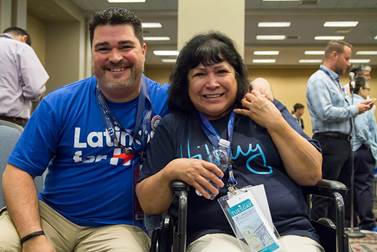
column 365, row 244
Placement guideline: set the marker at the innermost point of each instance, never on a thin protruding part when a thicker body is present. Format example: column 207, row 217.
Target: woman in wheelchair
column 210, row 105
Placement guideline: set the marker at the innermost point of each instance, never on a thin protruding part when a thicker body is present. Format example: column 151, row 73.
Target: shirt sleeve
column 38, row 142
column 161, row 149
column 33, row 74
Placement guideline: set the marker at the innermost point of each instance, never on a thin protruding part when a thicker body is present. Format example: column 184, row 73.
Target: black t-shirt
column 256, row 161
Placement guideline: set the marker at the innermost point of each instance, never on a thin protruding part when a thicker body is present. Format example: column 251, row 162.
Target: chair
column 171, row 235
column 9, row 134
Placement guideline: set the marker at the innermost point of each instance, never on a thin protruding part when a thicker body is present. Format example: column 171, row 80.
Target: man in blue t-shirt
column 90, row 135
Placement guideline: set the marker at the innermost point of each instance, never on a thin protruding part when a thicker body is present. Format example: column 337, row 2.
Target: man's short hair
column 116, row 16
column 337, row 46
column 17, row 31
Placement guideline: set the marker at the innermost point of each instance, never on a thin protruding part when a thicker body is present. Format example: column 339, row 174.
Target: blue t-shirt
column 67, row 134
column 255, row 161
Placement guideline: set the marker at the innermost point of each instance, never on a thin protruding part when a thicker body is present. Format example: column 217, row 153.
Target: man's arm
column 22, row 204
column 33, row 75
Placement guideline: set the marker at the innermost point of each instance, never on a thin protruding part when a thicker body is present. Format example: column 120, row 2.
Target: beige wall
column 37, row 32
column 288, row 85
column 62, row 63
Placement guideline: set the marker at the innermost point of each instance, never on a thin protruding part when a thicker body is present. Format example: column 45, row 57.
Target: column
column 226, row 16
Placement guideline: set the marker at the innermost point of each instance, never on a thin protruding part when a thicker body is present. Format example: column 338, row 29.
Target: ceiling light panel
column 310, row 61
column 156, row 38
column 264, row 61
column 271, row 37
column 329, row 37
column 274, row 24
column 169, row 60
column 166, row 52
column 314, row 52
column 266, row 52
column 366, row 53
column 151, row 25
column 340, row 23
column 281, row 0
column 126, row 1
column 359, row 61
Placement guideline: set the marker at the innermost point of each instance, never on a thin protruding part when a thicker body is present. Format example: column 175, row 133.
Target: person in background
column 22, row 76
column 215, row 105
column 263, row 86
column 297, row 112
column 364, row 146
column 331, row 113
column 90, row 135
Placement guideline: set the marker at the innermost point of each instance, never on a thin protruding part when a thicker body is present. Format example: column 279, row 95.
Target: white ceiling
column 306, row 17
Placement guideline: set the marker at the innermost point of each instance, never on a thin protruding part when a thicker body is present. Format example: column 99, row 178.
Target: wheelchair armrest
column 335, row 190
column 326, row 188
column 178, row 186
column 180, row 190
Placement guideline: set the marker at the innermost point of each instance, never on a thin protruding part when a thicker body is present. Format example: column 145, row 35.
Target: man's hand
column 38, row 244
column 365, row 105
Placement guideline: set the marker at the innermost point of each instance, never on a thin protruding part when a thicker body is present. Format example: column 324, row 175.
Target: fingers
column 204, row 176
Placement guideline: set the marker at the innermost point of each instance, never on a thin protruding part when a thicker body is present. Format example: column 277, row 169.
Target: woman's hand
column 260, row 109
column 204, row 176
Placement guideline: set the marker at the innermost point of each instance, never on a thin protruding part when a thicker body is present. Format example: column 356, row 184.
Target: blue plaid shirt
column 329, row 106
column 365, row 129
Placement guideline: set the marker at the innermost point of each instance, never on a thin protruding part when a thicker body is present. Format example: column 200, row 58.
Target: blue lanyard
column 140, row 131
column 214, row 137
column 332, row 78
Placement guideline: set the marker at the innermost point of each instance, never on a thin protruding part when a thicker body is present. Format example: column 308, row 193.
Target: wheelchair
column 171, row 234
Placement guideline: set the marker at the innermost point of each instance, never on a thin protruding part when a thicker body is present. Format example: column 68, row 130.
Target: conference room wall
column 288, row 84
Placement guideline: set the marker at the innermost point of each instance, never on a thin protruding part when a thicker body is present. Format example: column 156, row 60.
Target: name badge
column 248, row 221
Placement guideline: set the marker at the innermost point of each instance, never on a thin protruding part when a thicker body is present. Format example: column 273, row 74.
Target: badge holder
column 248, row 222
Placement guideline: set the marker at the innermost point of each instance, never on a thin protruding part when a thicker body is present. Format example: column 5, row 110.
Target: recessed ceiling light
column 281, row 0
column 166, row 52
column 329, row 37
column 271, row 37
column 340, row 23
column 156, row 38
column 366, row 53
column 126, row 1
column 266, row 61
column 151, row 25
column 266, row 52
column 169, row 60
column 310, row 61
column 274, row 24
column 359, row 60
column 314, row 52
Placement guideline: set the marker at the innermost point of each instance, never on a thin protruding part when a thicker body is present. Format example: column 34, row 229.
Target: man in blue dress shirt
column 331, row 114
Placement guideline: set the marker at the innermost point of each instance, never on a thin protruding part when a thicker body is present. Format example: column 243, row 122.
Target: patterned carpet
column 365, row 244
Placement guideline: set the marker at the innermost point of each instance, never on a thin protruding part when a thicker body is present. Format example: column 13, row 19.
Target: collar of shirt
column 333, row 75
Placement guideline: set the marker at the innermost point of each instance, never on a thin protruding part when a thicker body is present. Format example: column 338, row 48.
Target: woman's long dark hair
column 207, row 49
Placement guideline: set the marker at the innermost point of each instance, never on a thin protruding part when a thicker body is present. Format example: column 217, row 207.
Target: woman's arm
column 301, row 159
column 154, row 192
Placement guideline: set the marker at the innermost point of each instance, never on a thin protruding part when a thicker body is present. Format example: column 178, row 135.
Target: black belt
column 337, row 135
column 16, row 120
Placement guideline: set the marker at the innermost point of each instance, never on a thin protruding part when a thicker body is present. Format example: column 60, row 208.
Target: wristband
column 31, row 236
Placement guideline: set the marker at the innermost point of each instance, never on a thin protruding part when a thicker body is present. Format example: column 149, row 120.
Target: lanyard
column 140, row 131
column 336, row 80
column 214, row 138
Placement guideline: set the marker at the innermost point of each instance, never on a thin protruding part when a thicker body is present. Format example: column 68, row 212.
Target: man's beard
column 121, row 83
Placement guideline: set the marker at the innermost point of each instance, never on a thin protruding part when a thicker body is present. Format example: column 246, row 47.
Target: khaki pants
column 66, row 236
column 226, row 243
